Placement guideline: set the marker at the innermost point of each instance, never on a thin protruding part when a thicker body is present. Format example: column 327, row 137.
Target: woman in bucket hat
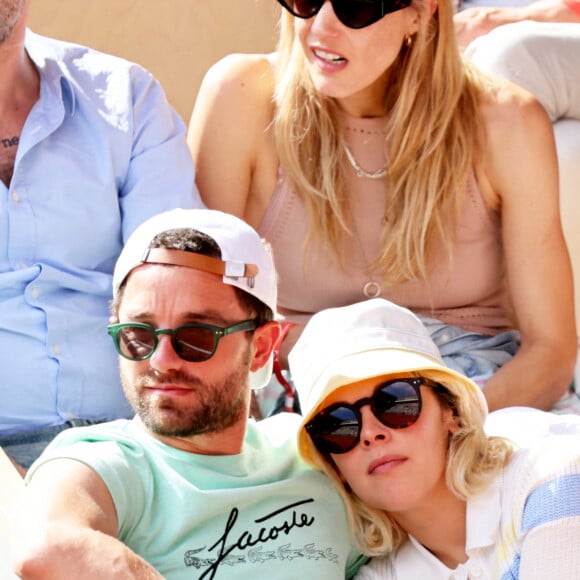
column 429, row 493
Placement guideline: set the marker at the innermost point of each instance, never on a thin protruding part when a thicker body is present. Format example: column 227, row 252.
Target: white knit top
column 526, row 525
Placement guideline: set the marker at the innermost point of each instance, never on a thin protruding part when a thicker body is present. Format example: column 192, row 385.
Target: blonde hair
column 434, row 137
column 473, row 461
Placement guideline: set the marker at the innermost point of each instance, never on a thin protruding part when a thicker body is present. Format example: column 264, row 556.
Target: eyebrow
column 209, row 316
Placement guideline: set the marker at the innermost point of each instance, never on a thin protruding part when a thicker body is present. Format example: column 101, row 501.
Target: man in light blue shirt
column 89, row 149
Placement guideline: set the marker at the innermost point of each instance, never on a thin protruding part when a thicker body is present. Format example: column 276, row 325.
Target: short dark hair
column 189, row 240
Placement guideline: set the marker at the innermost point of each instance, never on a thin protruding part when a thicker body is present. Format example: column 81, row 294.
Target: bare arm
column 230, row 137
column 521, row 171
column 473, row 22
column 67, row 528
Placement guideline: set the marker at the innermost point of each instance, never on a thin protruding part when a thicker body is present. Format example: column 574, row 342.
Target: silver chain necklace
column 378, row 174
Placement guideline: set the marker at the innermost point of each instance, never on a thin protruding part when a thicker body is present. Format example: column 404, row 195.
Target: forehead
column 154, row 289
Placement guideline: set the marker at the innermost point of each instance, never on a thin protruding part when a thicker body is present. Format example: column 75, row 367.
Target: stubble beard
column 216, row 407
column 10, row 13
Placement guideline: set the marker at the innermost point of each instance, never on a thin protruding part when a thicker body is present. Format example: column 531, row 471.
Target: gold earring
column 408, row 40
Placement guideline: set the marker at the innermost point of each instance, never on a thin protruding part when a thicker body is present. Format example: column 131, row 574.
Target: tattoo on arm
column 10, row 142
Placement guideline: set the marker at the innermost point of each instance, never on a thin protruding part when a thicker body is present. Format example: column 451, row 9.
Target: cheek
column 440, row 444
column 301, row 30
column 382, row 53
column 129, row 369
column 385, row 43
column 347, row 467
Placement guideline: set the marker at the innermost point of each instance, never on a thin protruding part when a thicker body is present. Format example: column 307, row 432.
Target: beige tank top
column 470, row 292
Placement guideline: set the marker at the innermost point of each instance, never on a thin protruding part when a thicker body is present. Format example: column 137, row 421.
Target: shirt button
column 475, row 572
column 15, row 197
column 56, row 349
column 35, row 292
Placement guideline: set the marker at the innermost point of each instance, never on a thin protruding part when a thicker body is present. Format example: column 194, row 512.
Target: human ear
column 452, row 421
column 264, row 339
column 412, row 21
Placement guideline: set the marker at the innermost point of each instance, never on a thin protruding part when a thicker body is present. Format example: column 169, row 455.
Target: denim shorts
column 477, row 356
column 26, row 447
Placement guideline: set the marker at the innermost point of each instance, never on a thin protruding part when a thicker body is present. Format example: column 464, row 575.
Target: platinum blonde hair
column 434, row 138
column 473, row 461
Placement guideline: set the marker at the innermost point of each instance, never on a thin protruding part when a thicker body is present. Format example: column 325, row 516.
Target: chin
column 330, row 90
column 327, row 85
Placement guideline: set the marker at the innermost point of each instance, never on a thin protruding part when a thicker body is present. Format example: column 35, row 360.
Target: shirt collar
column 483, row 518
column 482, row 523
column 47, row 55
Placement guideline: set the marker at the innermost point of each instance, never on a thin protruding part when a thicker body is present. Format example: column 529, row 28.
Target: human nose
column 325, row 19
column 164, row 357
column 372, row 430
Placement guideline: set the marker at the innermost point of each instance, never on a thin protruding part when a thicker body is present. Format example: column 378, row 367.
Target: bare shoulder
column 240, row 68
column 519, row 143
column 240, row 80
column 511, row 110
column 234, row 99
column 231, row 126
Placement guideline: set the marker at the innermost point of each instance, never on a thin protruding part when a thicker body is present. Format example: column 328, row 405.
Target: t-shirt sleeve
column 115, row 465
column 550, row 521
column 551, row 527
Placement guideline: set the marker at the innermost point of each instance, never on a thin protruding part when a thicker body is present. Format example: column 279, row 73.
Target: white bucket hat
column 340, row 346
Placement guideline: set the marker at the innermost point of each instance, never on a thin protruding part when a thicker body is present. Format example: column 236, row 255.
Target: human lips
column 327, row 55
column 385, row 463
column 164, row 391
column 327, row 58
column 167, row 387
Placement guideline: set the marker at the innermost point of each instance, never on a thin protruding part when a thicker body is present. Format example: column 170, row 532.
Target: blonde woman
column 401, row 435
column 378, row 163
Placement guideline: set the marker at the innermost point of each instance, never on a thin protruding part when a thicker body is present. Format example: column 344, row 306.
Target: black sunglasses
column 352, row 13
column 396, row 404
column 194, row 342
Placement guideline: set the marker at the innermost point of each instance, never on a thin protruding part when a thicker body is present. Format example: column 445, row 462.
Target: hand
column 472, row 23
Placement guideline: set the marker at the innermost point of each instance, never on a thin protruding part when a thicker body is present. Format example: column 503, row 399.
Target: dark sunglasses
column 194, row 342
column 396, row 404
column 352, row 13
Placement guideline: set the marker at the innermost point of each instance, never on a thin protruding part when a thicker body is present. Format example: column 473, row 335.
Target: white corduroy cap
column 341, row 346
column 246, row 261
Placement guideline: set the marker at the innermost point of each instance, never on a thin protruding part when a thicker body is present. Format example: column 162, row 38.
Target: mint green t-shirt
column 260, row 514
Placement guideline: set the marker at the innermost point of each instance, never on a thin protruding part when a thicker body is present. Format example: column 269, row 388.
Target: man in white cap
column 191, row 488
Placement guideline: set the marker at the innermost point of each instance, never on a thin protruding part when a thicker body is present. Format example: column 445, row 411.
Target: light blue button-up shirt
column 100, row 152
